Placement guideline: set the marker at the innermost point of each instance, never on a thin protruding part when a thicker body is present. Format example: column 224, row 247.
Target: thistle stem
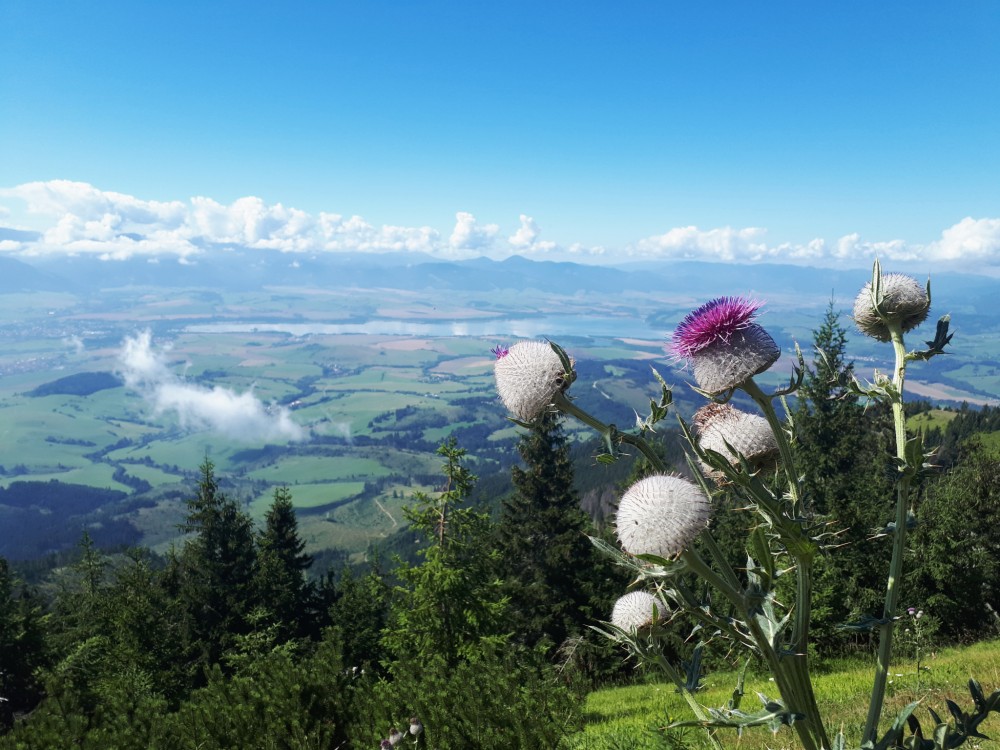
column 784, row 448
column 609, row 432
column 886, row 628
column 798, row 660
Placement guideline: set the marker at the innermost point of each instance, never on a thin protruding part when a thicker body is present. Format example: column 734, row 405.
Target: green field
column 372, row 408
column 630, row 717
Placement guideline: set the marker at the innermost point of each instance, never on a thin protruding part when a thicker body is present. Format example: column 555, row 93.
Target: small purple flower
column 714, row 321
column 911, row 611
column 724, row 344
column 500, row 351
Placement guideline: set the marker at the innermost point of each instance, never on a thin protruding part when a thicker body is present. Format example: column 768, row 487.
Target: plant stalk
column 798, row 659
column 886, row 629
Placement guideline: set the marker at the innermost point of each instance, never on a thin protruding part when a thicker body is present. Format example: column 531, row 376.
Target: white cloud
column 86, row 220
column 724, row 243
column 78, row 218
column 525, row 239
column 970, row 239
column 240, row 416
column 469, row 235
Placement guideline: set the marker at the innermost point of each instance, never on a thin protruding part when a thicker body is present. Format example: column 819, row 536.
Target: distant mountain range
column 241, row 269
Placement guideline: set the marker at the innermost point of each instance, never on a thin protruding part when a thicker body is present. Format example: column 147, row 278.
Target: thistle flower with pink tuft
column 636, row 610
column 724, row 344
column 528, row 376
column 661, row 515
column 904, row 301
column 749, row 435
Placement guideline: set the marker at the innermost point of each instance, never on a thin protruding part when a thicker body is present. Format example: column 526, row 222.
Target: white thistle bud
column 660, row 515
column 415, row 726
column 528, row 376
column 749, row 435
column 904, row 301
column 635, row 610
column 395, row 737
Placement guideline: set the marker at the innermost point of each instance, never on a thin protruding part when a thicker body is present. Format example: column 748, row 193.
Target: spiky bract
column 904, row 301
column 635, row 610
column 528, row 375
column 660, row 515
column 749, row 435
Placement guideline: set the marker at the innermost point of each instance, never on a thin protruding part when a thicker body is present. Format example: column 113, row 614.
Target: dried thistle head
column 749, row 435
column 904, row 300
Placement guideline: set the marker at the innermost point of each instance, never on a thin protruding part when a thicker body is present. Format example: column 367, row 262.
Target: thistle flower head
column 415, row 726
column 528, row 376
column 724, row 344
column 635, row 610
column 714, row 321
column 749, row 435
column 904, row 301
column 660, row 515
column 395, row 737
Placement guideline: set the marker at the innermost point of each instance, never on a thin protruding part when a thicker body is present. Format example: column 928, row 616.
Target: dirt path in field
column 382, row 508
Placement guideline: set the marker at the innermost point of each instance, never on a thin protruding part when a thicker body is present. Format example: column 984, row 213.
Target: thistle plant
column 663, row 521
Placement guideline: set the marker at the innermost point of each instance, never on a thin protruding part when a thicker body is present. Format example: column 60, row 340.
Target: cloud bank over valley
column 240, row 416
column 76, row 218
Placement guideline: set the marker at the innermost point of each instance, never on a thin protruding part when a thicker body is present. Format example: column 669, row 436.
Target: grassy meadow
column 631, row 718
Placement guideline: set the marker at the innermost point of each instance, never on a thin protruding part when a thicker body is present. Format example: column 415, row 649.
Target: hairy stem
column 886, row 628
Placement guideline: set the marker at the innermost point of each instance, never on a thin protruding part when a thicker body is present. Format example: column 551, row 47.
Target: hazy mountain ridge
column 240, row 269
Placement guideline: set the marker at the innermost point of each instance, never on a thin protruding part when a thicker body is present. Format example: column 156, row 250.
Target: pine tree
column 557, row 582
column 217, row 571
column 281, row 583
column 21, row 647
column 845, row 447
column 450, row 604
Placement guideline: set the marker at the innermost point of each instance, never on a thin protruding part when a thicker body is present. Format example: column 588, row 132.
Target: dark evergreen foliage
column 557, row 582
column 843, row 452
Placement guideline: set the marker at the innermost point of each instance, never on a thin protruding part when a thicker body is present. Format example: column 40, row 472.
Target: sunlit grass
column 628, row 717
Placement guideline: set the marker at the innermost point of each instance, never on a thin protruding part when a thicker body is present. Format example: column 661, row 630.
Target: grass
column 628, row 717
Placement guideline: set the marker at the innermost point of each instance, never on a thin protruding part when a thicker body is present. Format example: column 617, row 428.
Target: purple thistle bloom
column 500, row 351
column 714, row 321
column 724, row 344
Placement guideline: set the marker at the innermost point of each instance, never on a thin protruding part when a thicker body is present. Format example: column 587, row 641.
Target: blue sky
column 818, row 133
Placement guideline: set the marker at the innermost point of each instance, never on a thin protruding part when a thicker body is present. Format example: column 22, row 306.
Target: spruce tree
column 217, row 570
column 21, row 647
column 281, row 583
column 557, row 582
column 450, row 605
column 848, row 484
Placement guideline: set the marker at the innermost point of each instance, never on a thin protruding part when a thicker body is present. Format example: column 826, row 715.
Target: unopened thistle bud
column 528, row 376
column 660, row 515
column 749, row 435
column 395, row 737
column 415, row 726
column 636, row 610
column 724, row 344
column 904, row 301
